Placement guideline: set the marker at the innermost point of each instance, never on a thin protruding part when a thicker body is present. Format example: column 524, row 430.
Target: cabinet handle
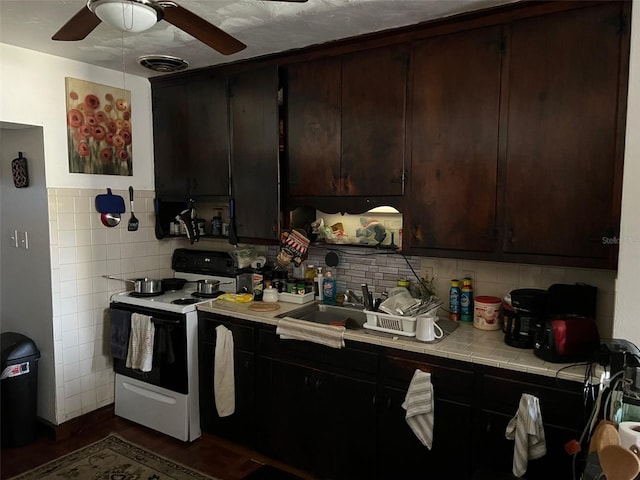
column 306, row 380
column 388, row 403
column 247, row 364
column 318, row 384
column 374, row 400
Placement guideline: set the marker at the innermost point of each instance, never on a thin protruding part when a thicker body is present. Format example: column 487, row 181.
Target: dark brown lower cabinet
column 240, row 426
column 338, row 414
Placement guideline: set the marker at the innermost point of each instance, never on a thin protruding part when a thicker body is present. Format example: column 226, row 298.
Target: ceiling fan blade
column 199, row 28
column 78, row 27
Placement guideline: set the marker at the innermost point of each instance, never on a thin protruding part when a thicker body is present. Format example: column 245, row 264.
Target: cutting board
column 264, row 307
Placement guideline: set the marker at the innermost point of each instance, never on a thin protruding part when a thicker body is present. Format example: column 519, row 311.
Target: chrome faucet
column 351, row 299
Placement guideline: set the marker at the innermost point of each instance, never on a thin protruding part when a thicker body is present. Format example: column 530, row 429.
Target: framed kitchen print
column 99, row 136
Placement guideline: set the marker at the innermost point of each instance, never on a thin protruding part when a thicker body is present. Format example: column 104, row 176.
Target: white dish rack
column 397, row 324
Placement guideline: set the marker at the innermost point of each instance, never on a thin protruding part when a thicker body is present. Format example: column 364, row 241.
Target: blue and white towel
column 420, row 407
column 527, row 431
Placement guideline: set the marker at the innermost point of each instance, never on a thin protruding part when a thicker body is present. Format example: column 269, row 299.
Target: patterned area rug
column 112, row 458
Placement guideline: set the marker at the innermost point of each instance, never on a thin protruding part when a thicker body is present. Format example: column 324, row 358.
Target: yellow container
column 487, row 313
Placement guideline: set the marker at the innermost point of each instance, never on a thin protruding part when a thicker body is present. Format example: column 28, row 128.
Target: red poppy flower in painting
column 101, row 116
column 126, row 136
column 108, row 108
column 109, row 138
column 99, row 132
column 91, row 120
column 73, row 96
column 118, row 141
column 126, row 115
column 75, row 118
column 106, row 155
column 122, row 154
column 109, row 97
column 83, row 149
column 112, row 127
column 86, row 131
column 92, row 101
column 121, row 104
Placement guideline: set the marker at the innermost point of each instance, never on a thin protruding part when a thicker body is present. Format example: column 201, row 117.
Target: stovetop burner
column 185, row 301
column 144, row 295
column 206, row 295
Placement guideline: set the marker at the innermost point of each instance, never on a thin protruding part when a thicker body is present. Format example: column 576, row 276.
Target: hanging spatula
column 133, row 221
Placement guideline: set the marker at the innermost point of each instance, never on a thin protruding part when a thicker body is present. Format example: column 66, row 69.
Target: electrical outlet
column 426, row 273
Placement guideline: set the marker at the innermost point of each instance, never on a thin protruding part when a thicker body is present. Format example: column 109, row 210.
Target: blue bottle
column 454, row 300
column 466, row 301
column 329, row 289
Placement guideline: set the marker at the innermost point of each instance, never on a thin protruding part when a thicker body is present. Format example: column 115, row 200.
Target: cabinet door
column 455, row 93
column 495, row 453
column 191, row 138
column 373, row 121
column 562, row 177
column 402, row 455
column 313, row 127
column 208, row 137
column 254, row 111
column 172, row 163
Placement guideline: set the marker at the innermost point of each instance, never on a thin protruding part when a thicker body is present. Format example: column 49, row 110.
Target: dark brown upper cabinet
column 191, row 138
column 254, row 167
column 346, row 124
column 455, row 102
column 564, row 122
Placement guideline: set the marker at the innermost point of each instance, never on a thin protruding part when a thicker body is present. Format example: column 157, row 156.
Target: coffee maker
column 529, row 305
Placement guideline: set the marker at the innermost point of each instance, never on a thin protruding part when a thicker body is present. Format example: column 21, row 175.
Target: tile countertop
column 465, row 343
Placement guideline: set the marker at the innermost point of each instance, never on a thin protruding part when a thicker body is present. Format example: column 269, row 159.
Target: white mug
column 427, row 330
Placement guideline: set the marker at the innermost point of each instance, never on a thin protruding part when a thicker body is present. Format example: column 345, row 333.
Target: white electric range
column 166, row 399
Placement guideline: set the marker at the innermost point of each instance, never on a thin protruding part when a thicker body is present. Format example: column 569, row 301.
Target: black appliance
column 529, row 305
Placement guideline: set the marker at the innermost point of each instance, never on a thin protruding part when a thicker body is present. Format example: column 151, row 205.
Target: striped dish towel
column 420, row 407
column 527, row 431
column 140, row 353
column 292, row 329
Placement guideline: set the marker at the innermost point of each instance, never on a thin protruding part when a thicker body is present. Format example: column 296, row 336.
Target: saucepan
column 141, row 285
column 209, row 286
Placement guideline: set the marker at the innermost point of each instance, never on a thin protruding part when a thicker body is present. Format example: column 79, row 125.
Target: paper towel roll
column 629, row 434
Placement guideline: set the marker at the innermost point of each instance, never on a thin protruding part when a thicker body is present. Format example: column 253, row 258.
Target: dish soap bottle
column 466, row 301
column 329, row 289
column 454, row 300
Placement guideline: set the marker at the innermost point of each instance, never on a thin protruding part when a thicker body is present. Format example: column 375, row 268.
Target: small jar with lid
column 270, row 295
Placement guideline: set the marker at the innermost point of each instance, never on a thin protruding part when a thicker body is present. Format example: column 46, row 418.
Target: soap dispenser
column 329, row 289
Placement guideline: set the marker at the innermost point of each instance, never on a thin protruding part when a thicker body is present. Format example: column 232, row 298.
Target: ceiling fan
column 140, row 15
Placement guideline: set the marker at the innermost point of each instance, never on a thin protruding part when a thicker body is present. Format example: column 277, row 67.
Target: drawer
column 351, row 358
column 243, row 335
column 448, row 381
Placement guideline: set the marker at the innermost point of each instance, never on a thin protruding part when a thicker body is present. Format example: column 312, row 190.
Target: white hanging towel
column 140, row 353
column 420, row 407
column 293, row 329
column 223, row 373
column 527, row 431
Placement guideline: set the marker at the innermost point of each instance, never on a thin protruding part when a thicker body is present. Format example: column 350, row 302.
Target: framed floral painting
column 99, row 134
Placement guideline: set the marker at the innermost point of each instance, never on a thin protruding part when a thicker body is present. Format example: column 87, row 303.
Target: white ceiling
column 264, row 26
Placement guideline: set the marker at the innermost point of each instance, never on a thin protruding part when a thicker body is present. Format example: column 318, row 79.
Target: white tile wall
column 82, row 250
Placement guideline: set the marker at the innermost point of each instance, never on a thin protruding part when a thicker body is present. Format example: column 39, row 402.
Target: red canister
column 487, row 313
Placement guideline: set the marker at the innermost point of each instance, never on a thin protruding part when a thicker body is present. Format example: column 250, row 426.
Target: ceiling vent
column 162, row 63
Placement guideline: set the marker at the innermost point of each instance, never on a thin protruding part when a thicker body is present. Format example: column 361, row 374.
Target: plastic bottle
column 466, row 301
column 310, row 278
column 319, row 284
column 216, row 223
column 257, row 282
column 329, row 289
column 454, row 300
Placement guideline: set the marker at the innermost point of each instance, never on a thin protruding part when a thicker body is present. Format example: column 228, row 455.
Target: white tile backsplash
column 82, row 250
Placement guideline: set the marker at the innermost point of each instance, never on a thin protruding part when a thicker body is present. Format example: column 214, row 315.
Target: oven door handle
column 165, row 322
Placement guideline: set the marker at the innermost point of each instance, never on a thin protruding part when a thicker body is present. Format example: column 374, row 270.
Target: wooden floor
column 209, row 454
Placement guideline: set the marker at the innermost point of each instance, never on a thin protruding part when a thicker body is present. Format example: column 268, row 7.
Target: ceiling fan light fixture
column 127, row 15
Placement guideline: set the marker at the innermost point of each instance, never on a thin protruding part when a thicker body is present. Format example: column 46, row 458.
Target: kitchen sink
column 353, row 318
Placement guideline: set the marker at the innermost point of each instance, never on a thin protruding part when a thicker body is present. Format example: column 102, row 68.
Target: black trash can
column 18, row 389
